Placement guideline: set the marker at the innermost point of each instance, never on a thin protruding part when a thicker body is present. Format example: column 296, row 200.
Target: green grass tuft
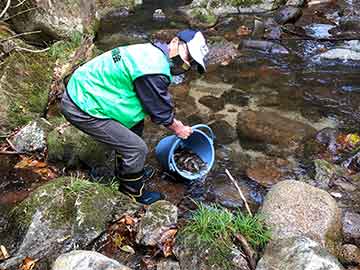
column 214, row 228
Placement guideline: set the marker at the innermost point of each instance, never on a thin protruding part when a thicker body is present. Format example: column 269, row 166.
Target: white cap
column 196, row 44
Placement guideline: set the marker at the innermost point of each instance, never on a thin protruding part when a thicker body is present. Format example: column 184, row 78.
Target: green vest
column 104, row 88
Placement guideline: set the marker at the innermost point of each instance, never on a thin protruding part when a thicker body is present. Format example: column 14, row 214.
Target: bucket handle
column 212, row 135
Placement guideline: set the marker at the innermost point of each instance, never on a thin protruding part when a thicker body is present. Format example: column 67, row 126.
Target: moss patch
column 68, row 200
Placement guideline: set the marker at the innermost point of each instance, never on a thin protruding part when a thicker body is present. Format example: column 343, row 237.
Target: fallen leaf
column 3, row 253
column 28, row 264
column 243, row 31
column 128, row 249
column 167, row 242
column 352, row 139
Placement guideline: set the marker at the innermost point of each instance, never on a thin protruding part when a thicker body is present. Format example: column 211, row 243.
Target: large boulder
column 24, row 86
column 74, row 148
column 293, row 208
column 272, row 128
column 63, row 214
column 54, row 20
column 297, row 253
column 86, row 260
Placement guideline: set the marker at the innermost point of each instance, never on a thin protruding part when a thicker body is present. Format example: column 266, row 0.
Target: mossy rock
column 66, row 212
column 75, row 148
column 24, row 84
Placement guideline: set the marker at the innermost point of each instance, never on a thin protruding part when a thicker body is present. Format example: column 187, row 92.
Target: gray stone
column 297, row 253
column 159, row 217
column 55, row 19
column 31, row 138
column 295, row 3
column 86, row 260
column 350, row 254
column 168, row 265
column 293, row 208
column 351, row 227
column 341, row 54
column 288, row 14
column 324, row 173
column 64, row 214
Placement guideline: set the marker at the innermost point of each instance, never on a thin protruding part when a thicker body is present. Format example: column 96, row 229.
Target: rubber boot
column 133, row 186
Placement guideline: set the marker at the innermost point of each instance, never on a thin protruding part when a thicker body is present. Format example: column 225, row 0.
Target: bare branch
column 6, row 8
column 30, row 50
column 21, row 12
column 240, row 192
column 20, row 35
column 19, row 4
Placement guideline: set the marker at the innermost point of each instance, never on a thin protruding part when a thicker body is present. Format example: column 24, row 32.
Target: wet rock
column 224, row 132
column 159, row 15
column 214, row 103
column 351, row 227
column 350, row 23
column 273, row 29
column 159, row 217
column 288, row 14
column 350, row 254
column 86, row 260
column 64, row 214
column 222, row 52
column 265, row 46
column 55, row 19
column 272, row 128
column 324, row 173
column 340, row 54
column 327, row 137
column 294, row 208
column 235, row 97
column 295, row 3
column 268, row 172
column 219, row 190
column 297, row 253
column 258, row 29
column 168, row 265
column 191, row 257
column 30, row 138
column 76, row 149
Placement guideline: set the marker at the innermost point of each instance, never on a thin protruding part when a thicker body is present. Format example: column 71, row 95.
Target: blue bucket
column 198, row 142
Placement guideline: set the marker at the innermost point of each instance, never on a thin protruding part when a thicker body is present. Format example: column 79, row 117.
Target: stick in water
column 240, row 192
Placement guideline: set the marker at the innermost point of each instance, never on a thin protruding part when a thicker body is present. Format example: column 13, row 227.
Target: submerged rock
column 272, row 128
column 223, row 131
column 221, row 53
column 265, row 46
column 86, row 260
column 297, row 253
column 294, row 208
column 64, row 214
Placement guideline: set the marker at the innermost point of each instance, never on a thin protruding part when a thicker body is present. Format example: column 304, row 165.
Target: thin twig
column 32, row 51
column 11, row 144
column 21, row 12
column 248, row 250
column 240, row 192
column 20, row 35
column 10, row 153
column 6, row 8
column 19, row 4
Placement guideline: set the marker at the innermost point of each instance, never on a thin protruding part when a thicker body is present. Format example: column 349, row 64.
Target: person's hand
column 180, row 129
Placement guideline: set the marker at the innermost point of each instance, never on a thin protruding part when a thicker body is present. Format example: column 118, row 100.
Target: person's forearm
column 180, row 129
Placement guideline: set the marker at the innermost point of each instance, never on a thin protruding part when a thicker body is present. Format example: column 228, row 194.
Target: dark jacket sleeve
column 153, row 93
